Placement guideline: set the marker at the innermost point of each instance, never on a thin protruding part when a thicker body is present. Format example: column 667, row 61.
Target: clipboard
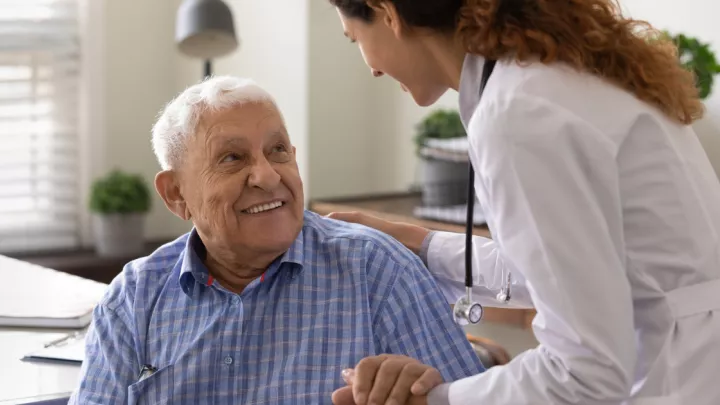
column 68, row 350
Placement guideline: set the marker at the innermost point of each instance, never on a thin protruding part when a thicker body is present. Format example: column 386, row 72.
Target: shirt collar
column 470, row 79
column 193, row 270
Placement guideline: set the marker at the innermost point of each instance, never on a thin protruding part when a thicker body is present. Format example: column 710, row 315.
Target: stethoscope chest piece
column 467, row 312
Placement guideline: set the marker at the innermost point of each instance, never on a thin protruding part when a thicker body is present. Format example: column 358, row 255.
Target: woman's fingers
column 412, row 236
column 385, row 381
column 429, row 379
column 401, row 391
column 343, row 396
column 362, row 219
column 365, row 376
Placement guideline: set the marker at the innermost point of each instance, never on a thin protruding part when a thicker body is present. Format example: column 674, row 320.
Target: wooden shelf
column 399, row 208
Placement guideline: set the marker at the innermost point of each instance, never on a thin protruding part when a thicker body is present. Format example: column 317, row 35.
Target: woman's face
column 389, row 48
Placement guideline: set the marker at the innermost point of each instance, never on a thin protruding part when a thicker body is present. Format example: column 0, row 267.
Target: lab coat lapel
column 470, row 78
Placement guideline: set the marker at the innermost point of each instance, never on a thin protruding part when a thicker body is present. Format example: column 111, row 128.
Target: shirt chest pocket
column 156, row 389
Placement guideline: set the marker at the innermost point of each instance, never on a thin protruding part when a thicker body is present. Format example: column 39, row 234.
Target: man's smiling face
column 240, row 180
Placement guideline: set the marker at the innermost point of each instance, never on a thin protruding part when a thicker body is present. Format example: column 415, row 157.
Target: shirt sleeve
column 416, row 321
column 553, row 188
column 110, row 364
column 445, row 258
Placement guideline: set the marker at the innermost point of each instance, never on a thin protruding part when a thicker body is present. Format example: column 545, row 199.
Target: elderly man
column 261, row 302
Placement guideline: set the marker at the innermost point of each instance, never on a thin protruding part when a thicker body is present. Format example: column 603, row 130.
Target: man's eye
column 231, row 158
column 280, row 154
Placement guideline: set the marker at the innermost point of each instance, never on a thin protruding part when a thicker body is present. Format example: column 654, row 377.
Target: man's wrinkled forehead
column 248, row 122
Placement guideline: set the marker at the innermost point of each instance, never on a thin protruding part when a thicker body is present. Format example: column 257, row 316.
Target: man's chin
column 271, row 234
column 276, row 243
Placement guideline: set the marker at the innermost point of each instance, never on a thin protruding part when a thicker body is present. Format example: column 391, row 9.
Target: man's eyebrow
column 221, row 141
column 278, row 133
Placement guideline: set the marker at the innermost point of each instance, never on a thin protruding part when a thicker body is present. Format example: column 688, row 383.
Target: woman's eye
column 279, row 148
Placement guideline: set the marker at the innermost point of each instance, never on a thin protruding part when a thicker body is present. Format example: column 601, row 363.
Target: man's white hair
column 180, row 117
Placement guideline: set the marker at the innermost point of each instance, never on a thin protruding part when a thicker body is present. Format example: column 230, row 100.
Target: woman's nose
column 376, row 73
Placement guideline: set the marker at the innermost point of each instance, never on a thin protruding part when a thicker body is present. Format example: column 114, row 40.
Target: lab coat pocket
column 156, row 389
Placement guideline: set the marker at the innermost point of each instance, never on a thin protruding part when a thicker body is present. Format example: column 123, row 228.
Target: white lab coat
column 608, row 216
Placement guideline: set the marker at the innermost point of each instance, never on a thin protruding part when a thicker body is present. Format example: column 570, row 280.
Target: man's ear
column 387, row 13
column 168, row 186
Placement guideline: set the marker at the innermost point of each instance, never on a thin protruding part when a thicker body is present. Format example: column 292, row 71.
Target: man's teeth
column 263, row 207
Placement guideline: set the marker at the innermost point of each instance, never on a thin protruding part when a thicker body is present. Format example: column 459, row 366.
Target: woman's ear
column 167, row 185
column 386, row 13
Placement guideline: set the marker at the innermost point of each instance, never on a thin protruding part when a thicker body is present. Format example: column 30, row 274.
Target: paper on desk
column 72, row 350
column 34, row 296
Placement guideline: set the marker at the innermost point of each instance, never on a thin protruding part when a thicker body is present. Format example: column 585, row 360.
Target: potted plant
column 697, row 57
column 119, row 202
column 444, row 173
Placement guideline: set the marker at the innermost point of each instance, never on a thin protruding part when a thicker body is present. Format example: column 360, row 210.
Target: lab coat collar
column 470, row 78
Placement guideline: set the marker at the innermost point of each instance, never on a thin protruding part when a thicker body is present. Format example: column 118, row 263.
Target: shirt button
column 235, row 301
column 228, row 360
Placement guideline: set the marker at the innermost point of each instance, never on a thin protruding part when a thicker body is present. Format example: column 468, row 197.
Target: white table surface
column 20, row 379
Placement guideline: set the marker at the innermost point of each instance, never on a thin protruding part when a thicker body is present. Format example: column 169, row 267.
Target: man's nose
column 263, row 175
column 376, row 73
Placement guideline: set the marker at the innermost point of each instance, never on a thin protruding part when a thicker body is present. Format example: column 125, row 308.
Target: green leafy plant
column 698, row 58
column 120, row 193
column 440, row 124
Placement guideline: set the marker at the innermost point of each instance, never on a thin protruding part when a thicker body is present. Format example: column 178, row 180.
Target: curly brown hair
column 590, row 35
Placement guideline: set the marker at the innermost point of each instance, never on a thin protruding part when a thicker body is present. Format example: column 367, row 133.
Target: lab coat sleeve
column 446, row 260
column 553, row 189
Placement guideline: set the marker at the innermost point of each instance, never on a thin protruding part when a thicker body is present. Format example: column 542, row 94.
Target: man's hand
column 387, row 379
column 412, row 236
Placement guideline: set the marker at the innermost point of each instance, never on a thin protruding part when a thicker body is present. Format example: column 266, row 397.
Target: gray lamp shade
column 205, row 29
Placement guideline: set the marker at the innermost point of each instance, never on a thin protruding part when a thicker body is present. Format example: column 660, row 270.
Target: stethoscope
column 466, row 310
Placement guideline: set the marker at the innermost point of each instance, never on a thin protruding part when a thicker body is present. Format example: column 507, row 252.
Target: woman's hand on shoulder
column 412, row 236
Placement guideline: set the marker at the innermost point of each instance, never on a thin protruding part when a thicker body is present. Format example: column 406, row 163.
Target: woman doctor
column 602, row 204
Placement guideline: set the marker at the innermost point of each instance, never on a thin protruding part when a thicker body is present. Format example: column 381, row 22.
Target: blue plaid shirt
column 340, row 293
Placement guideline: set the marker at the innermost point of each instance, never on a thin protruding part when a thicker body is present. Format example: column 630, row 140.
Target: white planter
column 119, row 235
column 443, row 182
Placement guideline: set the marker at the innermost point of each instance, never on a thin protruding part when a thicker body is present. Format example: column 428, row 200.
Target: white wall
column 130, row 59
column 697, row 18
column 340, row 110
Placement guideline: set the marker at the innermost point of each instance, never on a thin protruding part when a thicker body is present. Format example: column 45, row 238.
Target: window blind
column 39, row 110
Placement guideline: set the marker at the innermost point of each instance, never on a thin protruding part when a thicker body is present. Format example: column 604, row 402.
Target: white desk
column 20, row 379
